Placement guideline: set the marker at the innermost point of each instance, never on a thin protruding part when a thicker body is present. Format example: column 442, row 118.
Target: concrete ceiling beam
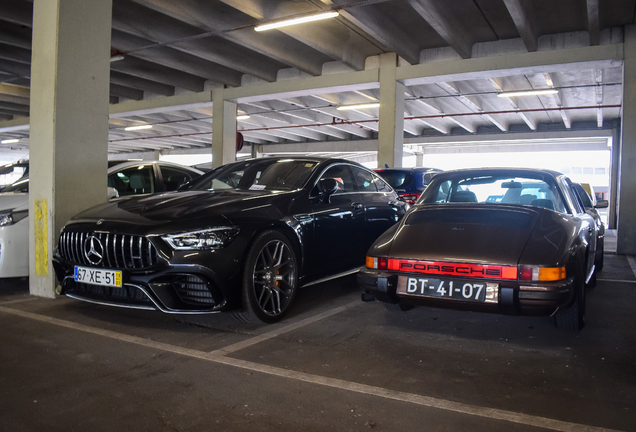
column 564, row 60
column 216, row 16
column 525, row 21
column 131, row 18
column 127, row 92
column 331, row 37
column 175, row 59
column 391, row 36
column 17, row 12
column 13, row 53
column 441, row 18
column 593, row 21
column 15, row 35
column 136, row 82
column 162, row 74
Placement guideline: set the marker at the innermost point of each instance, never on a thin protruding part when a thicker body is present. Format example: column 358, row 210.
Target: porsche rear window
column 471, row 217
column 489, row 189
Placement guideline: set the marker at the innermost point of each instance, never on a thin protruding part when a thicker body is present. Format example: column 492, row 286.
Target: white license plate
column 445, row 288
column 95, row 276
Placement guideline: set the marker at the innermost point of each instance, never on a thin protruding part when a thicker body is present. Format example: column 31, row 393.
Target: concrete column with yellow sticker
column 68, row 123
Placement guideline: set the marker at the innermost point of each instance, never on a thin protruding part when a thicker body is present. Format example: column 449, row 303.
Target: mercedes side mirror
column 328, row 187
column 601, row 204
column 112, row 193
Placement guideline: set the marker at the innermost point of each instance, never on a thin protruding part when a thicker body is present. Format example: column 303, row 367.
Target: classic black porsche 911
column 244, row 236
column 530, row 251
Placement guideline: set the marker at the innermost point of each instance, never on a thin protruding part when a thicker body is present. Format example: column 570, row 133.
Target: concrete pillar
column 391, row 126
column 69, row 122
column 223, row 129
column 419, row 159
column 614, row 173
column 626, row 234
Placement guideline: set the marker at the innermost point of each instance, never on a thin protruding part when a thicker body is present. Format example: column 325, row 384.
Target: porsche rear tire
column 598, row 263
column 572, row 317
column 270, row 279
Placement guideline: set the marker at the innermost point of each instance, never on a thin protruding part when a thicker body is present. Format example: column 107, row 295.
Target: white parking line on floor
column 272, row 334
column 616, row 280
column 632, row 263
column 426, row 401
column 20, row 300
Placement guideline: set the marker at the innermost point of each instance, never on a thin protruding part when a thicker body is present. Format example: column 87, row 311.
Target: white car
column 128, row 178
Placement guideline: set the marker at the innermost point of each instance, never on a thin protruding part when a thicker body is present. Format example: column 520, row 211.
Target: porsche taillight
column 377, row 263
column 410, row 198
column 546, row 274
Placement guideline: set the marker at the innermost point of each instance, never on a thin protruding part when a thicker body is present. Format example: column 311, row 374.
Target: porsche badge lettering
column 456, row 269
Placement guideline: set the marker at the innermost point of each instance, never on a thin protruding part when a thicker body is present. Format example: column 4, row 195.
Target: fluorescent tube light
column 529, row 93
column 358, row 106
column 134, row 128
column 9, row 141
column 242, row 117
column 116, row 58
column 294, row 21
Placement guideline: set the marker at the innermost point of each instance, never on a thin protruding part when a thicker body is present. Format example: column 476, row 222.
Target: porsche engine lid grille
column 116, row 251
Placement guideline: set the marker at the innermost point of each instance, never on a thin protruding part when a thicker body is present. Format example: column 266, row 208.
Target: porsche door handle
column 356, row 206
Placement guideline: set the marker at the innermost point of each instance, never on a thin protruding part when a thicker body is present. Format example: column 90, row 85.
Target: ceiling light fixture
column 358, row 106
column 529, row 93
column 294, row 21
column 9, row 141
column 134, row 128
column 116, row 58
column 242, row 117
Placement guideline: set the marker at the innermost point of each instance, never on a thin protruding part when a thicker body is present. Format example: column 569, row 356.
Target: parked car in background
column 409, row 183
column 12, row 172
column 591, row 205
column 243, row 237
column 126, row 178
column 530, row 253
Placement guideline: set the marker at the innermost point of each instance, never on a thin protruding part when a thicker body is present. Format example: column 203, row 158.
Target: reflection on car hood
column 14, row 201
column 181, row 209
column 474, row 233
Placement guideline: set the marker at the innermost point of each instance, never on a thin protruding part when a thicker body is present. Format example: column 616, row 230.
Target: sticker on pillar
column 41, row 238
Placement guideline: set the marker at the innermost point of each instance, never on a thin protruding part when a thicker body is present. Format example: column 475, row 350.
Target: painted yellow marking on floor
column 420, row 400
column 277, row 332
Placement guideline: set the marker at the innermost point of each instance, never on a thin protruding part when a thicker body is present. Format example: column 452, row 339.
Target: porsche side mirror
column 601, row 204
column 112, row 193
column 328, row 187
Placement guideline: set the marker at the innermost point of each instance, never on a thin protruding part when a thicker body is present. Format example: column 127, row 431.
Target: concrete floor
column 334, row 364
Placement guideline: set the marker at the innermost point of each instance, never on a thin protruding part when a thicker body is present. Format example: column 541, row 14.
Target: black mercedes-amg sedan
column 244, row 237
column 531, row 250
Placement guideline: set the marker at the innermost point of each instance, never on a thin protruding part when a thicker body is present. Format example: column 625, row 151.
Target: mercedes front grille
column 118, row 251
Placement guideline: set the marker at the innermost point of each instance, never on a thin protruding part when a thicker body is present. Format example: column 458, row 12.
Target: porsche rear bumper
column 514, row 298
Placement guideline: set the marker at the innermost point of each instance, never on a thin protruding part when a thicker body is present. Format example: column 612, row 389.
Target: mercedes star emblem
column 93, row 250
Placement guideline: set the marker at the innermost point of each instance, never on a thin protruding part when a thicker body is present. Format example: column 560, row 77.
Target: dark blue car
column 409, row 183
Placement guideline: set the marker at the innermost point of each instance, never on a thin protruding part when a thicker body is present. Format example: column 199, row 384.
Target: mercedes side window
column 132, row 181
column 365, row 180
column 342, row 175
column 382, row 185
column 174, row 177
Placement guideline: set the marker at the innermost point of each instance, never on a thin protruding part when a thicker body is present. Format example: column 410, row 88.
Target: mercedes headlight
column 209, row 239
column 10, row 217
